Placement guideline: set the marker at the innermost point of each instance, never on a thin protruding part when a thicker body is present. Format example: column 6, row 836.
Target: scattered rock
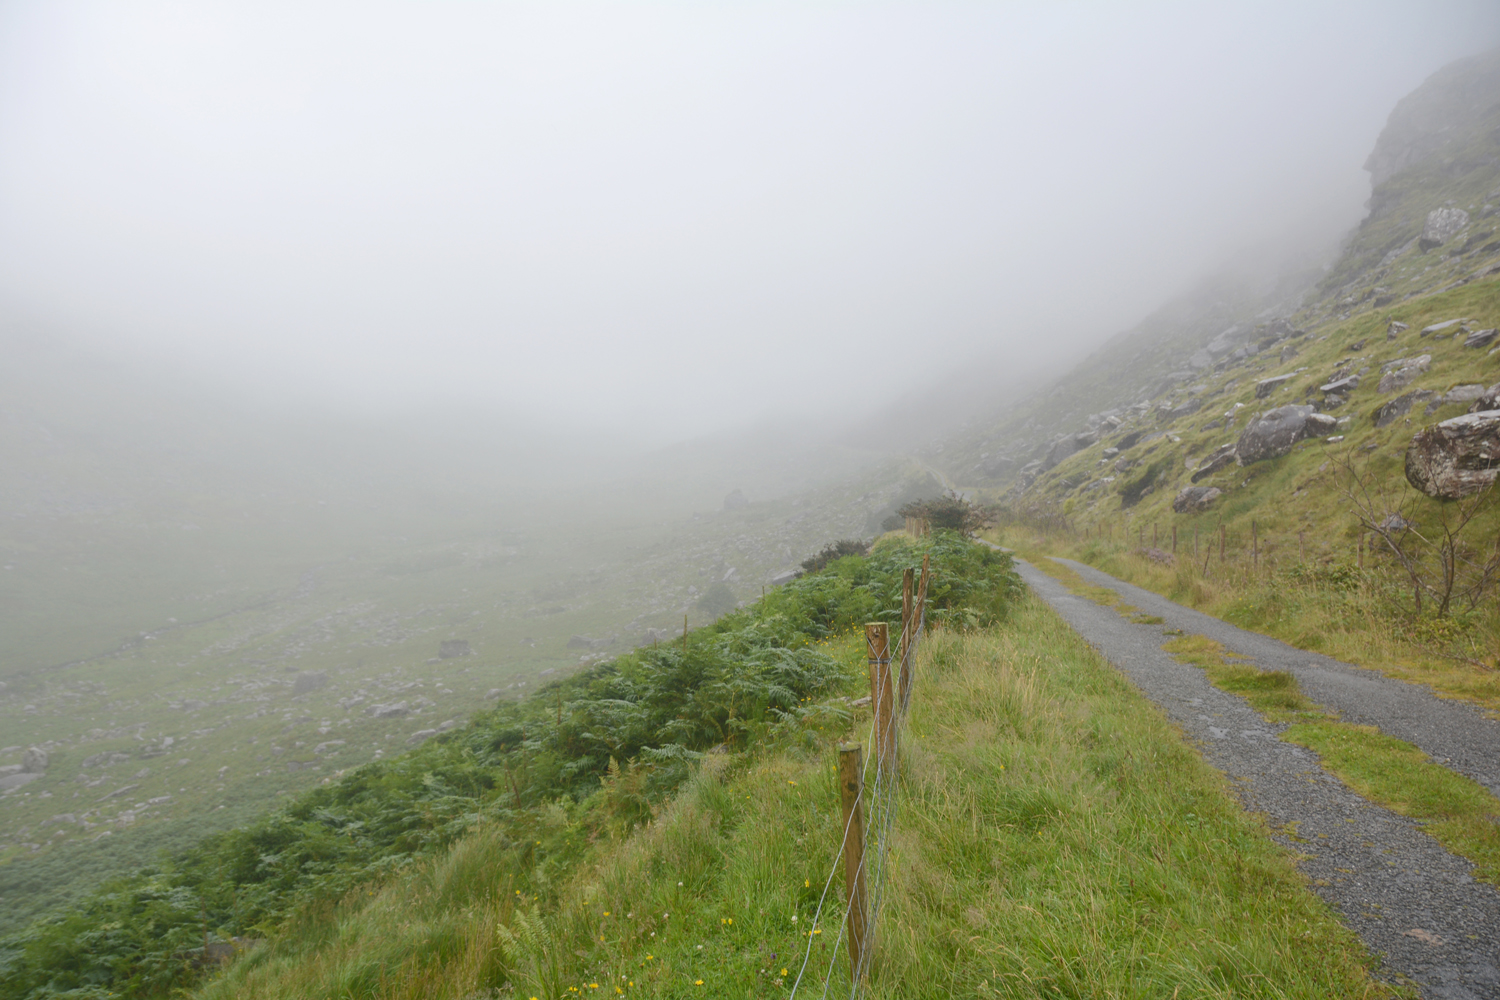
column 1394, row 522
column 493, row 693
column 1288, row 353
column 308, row 682
column 1266, row 386
column 1464, row 394
column 1157, row 555
column 1221, row 458
column 105, row 758
column 1274, row 432
column 1190, row 407
column 1439, row 327
column 1396, row 327
column 1343, row 386
column 1399, row 407
column 330, row 745
column 1441, row 225
column 1358, row 345
column 735, row 500
column 1193, row 499
column 392, row 711
column 452, row 649
column 1488, row 400
column 33, row 761
column 1397, row 375
column 1455, row 458
column 420, row 736
column 1481, row 338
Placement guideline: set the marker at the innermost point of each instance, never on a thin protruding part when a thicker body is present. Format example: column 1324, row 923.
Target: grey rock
column 392, row 711
column 1195, row 498
column 1276, row 431
column 106, row 758
column 1200, row 359
column 1190, row 407
column 1399, row 407
column 1455, row 458
column 329, row 745
column 1288, row 353
column 1488, row 400
column 1441, row 225
column 735, row 500
column 1060, row 450
column 785, row 576
column 1220, row 458
column 1396, row 327
column 1439, row 327
column 1124, row 464
column 1397, row 378
column 11, row 782
column 420, row 736
column 1464, row 394
column 34, row 760
column 1344, row 385
column 1481, row 338
column 309, row 682
column 452, row 649
column 1266, row 386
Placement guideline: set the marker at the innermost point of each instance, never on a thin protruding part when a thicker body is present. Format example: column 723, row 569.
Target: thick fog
column 667, row 218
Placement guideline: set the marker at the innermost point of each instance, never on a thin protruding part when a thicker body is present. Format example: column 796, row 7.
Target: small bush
column 833, row 550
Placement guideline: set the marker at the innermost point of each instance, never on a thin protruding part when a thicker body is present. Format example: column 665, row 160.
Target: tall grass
column 1333, row 608
column 1055, row 838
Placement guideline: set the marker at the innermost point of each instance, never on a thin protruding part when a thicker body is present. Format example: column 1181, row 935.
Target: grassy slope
column 358, row 589
column 1289, row 594
column 1056, row 837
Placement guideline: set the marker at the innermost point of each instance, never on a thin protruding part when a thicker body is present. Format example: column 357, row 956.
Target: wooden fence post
column 851, row 768
column 877, row 645
column 1254, row 546
column 908, row 627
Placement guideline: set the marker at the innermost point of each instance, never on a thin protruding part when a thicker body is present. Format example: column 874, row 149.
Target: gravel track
column 1410, row 900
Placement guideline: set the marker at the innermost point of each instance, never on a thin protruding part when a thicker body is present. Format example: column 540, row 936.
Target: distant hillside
column 1432, row 228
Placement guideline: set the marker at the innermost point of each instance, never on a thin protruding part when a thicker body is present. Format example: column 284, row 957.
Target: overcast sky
column 672, row 217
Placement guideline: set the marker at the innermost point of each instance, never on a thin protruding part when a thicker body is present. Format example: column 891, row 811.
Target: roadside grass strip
column 1055, row 837
column 1456, row 811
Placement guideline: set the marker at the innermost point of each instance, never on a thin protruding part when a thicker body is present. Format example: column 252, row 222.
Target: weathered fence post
column 877, row 645
column 851, row 767
column 1254, row 546
column 908, row 627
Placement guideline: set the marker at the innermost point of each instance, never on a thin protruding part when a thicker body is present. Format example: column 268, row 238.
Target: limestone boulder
column 1194, row 499
column 1442, row 225
column 1489, row 399
column 1388, row 413
column 1275, row 432
column 1220, row 458
column 1455, row 458
column 1398, row 374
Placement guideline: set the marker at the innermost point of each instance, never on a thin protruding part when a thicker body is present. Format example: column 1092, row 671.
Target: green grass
column 1458, row 812
column 1056, row 838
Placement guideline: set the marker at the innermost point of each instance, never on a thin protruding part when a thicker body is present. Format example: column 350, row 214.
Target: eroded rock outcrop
column 1194, row 499
column 1455, row 458
column 1275, row 432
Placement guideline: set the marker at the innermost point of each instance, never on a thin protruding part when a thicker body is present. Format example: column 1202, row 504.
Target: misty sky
column 675, row 217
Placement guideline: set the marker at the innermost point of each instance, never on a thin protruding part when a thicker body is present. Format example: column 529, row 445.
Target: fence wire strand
column 881, row 793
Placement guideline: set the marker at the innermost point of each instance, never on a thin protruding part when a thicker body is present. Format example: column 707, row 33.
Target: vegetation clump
column 833, row 550
column 950, row 512
column 590, row 756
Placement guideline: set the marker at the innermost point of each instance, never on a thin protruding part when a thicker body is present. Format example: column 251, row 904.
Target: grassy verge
column 1341, row 612
column 1458, row 812
column 1056, row 837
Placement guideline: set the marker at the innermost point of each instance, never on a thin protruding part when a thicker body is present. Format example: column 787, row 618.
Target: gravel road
column 1413, row 903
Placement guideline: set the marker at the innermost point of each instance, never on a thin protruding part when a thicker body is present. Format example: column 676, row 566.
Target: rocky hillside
column 1399, row 327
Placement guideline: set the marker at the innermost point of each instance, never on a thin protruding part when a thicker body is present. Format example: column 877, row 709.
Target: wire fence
column 869, row 784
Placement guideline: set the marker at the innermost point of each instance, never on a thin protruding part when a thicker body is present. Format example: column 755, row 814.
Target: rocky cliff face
column 1437, row 116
